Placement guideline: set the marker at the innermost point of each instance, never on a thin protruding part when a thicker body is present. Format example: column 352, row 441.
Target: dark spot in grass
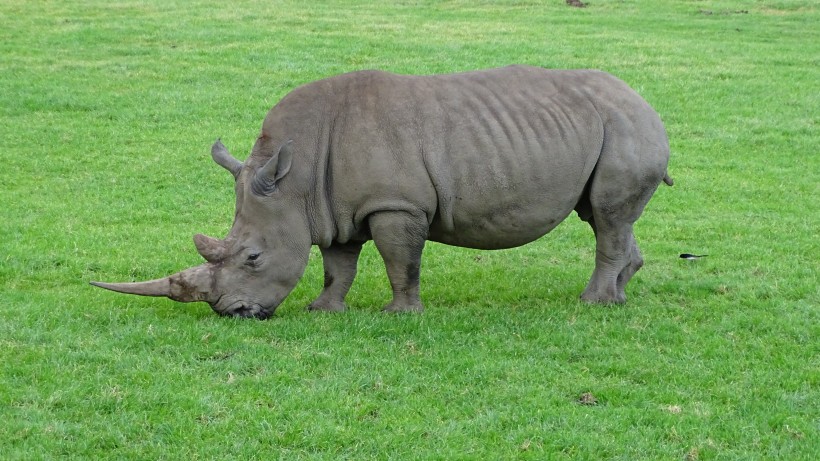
column 692, row 455
column 587, row 399
column 710, row 12
column 217, row 357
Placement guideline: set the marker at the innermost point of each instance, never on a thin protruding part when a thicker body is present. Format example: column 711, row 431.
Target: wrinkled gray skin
column 490, row 159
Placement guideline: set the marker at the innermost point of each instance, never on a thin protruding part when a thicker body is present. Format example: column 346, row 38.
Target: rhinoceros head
column 253, row 269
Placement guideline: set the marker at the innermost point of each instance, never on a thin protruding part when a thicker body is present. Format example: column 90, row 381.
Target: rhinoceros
column 486, row 159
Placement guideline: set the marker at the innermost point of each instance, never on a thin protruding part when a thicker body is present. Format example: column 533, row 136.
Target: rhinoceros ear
column 224, row 158
column 264, row 183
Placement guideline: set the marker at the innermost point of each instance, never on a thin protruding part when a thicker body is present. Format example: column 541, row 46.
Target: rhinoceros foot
column 321, row 305
column 594, row 297
column 398, row 307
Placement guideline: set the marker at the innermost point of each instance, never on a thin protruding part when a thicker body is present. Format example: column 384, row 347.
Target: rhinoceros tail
column 668, row 180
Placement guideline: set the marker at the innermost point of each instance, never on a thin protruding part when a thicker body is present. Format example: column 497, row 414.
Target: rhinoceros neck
column 305, row 116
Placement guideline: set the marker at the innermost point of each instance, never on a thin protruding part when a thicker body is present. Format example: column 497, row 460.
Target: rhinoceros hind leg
column 626, row 176
column 400, row 238
column 634, row 264
column 617, row 259
column 610, row 261
column 340, row 263
column 599, row 289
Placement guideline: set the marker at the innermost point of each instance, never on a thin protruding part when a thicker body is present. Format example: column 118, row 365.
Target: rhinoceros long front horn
column 187, row 286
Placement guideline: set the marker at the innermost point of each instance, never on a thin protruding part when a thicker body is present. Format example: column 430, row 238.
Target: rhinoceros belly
column 508, row 215
column 509, row 164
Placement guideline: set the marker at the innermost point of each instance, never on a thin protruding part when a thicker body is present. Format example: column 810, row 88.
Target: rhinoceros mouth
column 246, row 310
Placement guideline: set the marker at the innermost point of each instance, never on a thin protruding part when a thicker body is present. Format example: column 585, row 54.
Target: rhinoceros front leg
column 339, row 261
column 400, row 237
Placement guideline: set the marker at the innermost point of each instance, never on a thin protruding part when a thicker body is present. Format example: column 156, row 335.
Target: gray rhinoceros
column 488, row 159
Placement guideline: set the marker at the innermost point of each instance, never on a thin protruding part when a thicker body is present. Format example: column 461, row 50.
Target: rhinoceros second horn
column 211, row 249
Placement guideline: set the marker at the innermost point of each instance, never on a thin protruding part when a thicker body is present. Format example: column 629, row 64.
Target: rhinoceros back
column 494, row 158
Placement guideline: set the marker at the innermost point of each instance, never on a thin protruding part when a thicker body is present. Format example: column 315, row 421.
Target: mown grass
column 108, row 110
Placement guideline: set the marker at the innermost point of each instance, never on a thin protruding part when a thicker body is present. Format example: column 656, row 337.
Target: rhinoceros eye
column 252, row 259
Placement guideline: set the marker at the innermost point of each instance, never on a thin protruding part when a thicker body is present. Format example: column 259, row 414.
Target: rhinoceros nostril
column 262, row 315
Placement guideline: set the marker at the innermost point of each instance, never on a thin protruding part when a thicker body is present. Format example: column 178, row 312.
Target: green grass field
column 107, row 114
